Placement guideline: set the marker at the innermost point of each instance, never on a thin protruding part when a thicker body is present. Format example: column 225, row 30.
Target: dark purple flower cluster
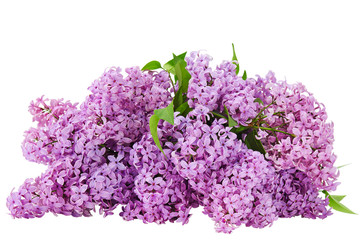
column 103, row 154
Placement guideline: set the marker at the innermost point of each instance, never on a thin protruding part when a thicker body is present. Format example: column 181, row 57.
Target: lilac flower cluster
column 102, row 154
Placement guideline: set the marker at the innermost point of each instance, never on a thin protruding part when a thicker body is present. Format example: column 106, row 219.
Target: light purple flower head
column 270, row 164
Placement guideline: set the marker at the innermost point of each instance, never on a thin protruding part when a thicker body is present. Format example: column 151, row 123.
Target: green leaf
column 234, row 58
column 166, row 114
column 151, row 66
column 178, row 99
column 170, row 65
column 338, row 197
column 336, row 205
column 184, row 109
column 258, row 100
column 183, row 75
column 244, row 77
column 253, row 143
column 343, row 165
column 153, row 123
column 231, row 121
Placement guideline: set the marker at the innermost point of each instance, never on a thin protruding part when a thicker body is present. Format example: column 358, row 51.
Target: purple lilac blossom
column 294, row 110
column 289, row 108
column 101, row 154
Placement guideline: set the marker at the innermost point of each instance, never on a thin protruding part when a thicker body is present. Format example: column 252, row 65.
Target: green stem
column 48, row 110
column 171, row 81
column 263, row 109
column 50, row 143
column 212, row 80
column 274, row 130
column 281, row 125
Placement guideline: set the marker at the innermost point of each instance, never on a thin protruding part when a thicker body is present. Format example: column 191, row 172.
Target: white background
column 58, row 49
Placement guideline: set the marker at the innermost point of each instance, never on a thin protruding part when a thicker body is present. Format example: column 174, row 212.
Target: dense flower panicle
column 296, row 195
column 288, row 107
column 162, row 194
column 240, row 193
column 295, row 110
column 221, row 87
column 121, row 106
column 102, row 154
column 46, row 111
column 51, row 119
column 52, row 191
column 91, row 142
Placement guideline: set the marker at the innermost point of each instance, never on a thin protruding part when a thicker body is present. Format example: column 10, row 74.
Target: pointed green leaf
column 336, row 205
column 170, row 65
column 244, row 76
column 166, row 114
column 178, row 99
column 151, row 66
column 253, row 143
column 231, row 121
column 234, row 58
column 183, row 75
column 338, row 197
column 258, row 100
column 153, row 123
